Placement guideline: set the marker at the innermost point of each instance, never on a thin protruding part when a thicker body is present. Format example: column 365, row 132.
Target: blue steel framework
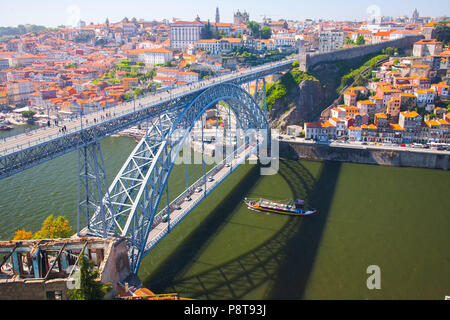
column 129, row 207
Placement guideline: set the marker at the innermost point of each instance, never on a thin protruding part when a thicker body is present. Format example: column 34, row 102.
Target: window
column 54, row 295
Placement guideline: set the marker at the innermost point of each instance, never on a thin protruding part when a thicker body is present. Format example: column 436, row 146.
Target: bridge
column 137, row 205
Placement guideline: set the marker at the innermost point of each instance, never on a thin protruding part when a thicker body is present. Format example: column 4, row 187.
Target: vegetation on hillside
column 356, row 74
column 285, row 84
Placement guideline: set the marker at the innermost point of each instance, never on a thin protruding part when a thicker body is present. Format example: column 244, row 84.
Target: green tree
column 29, row 115
column 206, row 32
column 360, row 40
column 255, row 28
column 90, row 287
column 54, row 228
column 266, row 32
column 442, row 32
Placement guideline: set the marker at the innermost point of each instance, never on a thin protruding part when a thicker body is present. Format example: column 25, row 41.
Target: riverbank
column 366, row 155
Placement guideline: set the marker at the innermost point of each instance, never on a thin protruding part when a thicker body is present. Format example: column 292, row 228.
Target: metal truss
column 91, row 184
column 130, row 209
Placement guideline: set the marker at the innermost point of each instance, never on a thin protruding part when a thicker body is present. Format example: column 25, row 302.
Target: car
column 441, row 148
column 188, row 198
column 425, row 146
column 210, row 179
column 198, row 189
column 165, row 218
column 403, row 145
column 364, row 143
column 227, row 165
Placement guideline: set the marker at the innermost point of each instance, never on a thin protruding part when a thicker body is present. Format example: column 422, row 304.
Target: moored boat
column 295, row 208
column 4, row 127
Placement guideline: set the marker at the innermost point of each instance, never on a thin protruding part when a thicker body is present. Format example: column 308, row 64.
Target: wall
column 31, row 289
column 307, row 61
column 369, row 156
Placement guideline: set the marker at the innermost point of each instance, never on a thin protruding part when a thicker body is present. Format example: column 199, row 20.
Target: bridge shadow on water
column 286, row 259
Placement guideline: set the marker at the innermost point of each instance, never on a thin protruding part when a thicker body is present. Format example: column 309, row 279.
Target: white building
column 331, row 40
column 151, row 57
column 184, row 33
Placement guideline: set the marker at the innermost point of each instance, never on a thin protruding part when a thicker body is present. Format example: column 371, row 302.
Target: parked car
column 403, row 145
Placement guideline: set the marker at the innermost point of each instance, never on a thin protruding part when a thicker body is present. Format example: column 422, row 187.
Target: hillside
column 299, row 97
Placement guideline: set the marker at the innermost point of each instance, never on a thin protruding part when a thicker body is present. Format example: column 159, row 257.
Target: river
column 395, row 218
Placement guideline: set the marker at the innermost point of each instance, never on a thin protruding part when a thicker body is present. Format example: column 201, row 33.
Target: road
column 359, row 145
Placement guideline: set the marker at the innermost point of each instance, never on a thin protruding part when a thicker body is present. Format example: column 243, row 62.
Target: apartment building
column 331, row 40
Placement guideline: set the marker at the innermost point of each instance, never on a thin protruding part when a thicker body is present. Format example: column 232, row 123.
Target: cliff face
column 309, row 94
column 302, row 103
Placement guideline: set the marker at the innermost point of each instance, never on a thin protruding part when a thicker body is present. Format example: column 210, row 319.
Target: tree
column 360, row 40
column 21, row 234
column 255, row 28
column 349, row 41
column 28, row 114
column 266, row 32
column 90, row 287
column 206, row 32
column 54, row 228
column 442, row 32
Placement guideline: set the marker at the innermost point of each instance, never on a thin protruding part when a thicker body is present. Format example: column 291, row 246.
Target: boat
column 294, row 208
column 4, row 127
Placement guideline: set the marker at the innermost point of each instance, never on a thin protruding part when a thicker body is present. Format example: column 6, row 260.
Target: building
column 322, row 131
column 354, row 133
column 425, row 96
column 411, row 122
column 151, row 57
column 331, row 40
column 393, row 107
column 19, row 91
column 46, row 269
column 427, row 47
column 240, row 18
column 184, row 33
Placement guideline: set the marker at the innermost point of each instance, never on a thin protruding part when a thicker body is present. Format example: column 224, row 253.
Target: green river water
column 395, row 218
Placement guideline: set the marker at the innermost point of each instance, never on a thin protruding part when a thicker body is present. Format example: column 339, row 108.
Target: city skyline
column 66, row 12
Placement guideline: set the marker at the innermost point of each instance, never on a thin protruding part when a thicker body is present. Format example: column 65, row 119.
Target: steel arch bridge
column 129, row 208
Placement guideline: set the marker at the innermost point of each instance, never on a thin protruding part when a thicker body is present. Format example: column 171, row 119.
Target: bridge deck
column 219, row 173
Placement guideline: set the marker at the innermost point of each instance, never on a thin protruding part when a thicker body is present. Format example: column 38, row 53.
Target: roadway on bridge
column 177, row 214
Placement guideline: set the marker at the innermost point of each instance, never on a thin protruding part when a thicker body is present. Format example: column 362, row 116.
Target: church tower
column 217, row 15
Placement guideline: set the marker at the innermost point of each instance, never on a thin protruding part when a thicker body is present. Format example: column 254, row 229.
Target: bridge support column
column 92, row 185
